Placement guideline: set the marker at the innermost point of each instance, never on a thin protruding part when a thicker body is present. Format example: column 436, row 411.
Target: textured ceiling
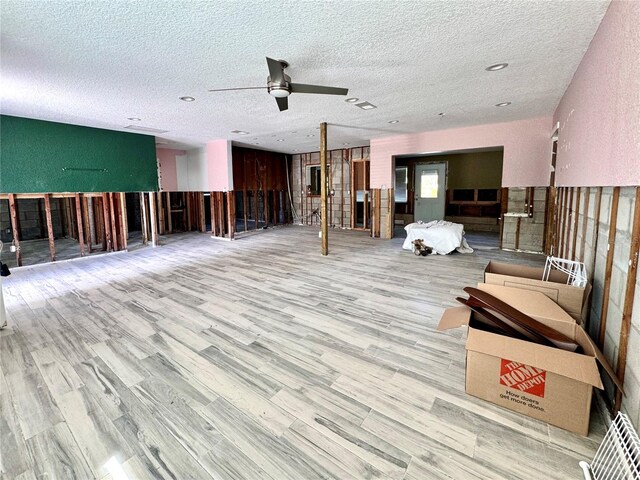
column 97, row 63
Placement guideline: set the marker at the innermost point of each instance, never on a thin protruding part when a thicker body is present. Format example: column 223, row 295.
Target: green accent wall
column 46, row 157
column 474, row 169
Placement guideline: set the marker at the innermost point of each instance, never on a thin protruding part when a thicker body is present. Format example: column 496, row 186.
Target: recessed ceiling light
column 240, row 132
column 441, row 114
column 187, row 99
column 345, row 144
column 496, row 67
column 280, row 140
column 394, row 121
column 352, row 100
column 366, row 106
column 309, row 136
column 503, row 104
column 134, row 119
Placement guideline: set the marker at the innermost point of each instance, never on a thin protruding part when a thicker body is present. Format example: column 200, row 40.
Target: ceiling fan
column 279, row 85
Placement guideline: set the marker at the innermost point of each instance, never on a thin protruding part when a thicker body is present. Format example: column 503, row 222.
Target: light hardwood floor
column 256, row 359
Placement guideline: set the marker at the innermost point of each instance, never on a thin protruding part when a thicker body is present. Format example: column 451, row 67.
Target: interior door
column 430, row 191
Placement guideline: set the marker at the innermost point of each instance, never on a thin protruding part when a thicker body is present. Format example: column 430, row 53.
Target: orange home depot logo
column 522, row 377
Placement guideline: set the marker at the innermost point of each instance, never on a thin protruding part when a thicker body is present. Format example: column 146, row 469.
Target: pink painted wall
column 599, row 114
column 527, row 149
column 219, row 164
column 167, row 166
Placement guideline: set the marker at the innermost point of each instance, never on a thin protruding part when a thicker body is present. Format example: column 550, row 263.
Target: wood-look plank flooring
column 257, row 359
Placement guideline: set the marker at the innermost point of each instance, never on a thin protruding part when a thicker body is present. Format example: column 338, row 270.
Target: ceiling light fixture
column 503, row 104
column 187, row 99
column 240, row 132
column 496, row 67
column 134, row 119
column 394, row 121
column 441, row 114
column 366, row 106
column 345, row 144
column 280, row 140
column 309, row 136
column 352, row 100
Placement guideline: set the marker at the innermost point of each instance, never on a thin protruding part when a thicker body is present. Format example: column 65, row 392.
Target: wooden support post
column 575, row 225
column 86, row 219
column 143, row 219
column 202, row 222
column 152, row 217
column 265, row 207
column 79, row 222
column 323, row 189
column 114, row 225
column 107, row 228
column 245, row 209
column 550, row 219
column 504, row 207
column 231, row 214
column 47, row 213
column 585, row 221
column 627, row 310
column 378, row 209
column 161, row 214
column 611, row 245
column 594, row 243
column 563, row 223
column 518, row 222
column 212, row 208
column 391, row 213
column 568, row 218
column 15, row 227
column 220, row 198
column 187, row 203
column 122, row 215
column 169, row 213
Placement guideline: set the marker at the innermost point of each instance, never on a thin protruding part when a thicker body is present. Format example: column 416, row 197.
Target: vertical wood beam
column 342, row 160
column 152, row 217
column 212, row 208
column 161, row 214
column 569, row 217
column 518, row 222
column 220, row 197
column 585, row 221
column 245, row 208
column 202, row 222
column 550, row 219
column 504, row 207
column 563, row 222
column 169, row 213
column 143, row 218
column 231, row 214
column 86, row 218
column 114, row 225
column 323, row 189
column 627, row 310
column 15, row 227
column 122, row 216
column 391, row 213
column 107, row 229
column 47, row 213
column 611, row 245
column 575, row 224
column 79, row 222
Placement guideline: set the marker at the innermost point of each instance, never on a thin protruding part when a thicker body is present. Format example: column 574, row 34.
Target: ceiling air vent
column 145, row 129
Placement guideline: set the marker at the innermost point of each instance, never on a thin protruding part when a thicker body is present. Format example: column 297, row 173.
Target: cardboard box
column 546, row 383
column 571, row 299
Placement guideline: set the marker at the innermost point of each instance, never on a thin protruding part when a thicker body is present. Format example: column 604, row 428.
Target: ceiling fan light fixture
column 187, row 99
column 352, row 100
column 496, row 67
column 279, row 92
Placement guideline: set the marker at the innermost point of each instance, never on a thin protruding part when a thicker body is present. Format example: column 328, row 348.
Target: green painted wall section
column 474, row 170
column 47, row 157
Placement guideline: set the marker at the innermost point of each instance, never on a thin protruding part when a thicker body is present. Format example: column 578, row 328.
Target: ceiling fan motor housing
column 279, row 89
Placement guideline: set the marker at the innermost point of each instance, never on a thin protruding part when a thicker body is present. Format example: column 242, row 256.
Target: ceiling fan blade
column 231, row 89
column 283, row 103
column 302, row 88
column 276, row 71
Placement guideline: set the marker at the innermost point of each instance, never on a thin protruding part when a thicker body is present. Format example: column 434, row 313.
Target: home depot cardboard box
column 542, row 382
column 571, row 299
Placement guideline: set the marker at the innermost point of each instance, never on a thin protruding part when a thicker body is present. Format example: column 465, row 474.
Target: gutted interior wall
column 583, row 232
column 340, row 188
column 524, row 222
column 31, row 216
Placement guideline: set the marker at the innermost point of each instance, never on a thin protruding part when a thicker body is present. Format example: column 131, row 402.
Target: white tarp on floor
column 444, row 237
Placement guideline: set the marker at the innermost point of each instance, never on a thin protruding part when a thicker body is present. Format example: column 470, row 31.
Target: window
column 429, row 184
column 400, row 187
column 314, row 180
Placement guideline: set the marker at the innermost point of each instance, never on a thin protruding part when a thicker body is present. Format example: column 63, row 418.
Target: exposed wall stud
column 585, row 221
column 576, row 218
column 106, row 218
column 152, row 217
column 47, row 213
column 323, row 189
column 79, row 222
column 627, row 310
column 611, row 245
